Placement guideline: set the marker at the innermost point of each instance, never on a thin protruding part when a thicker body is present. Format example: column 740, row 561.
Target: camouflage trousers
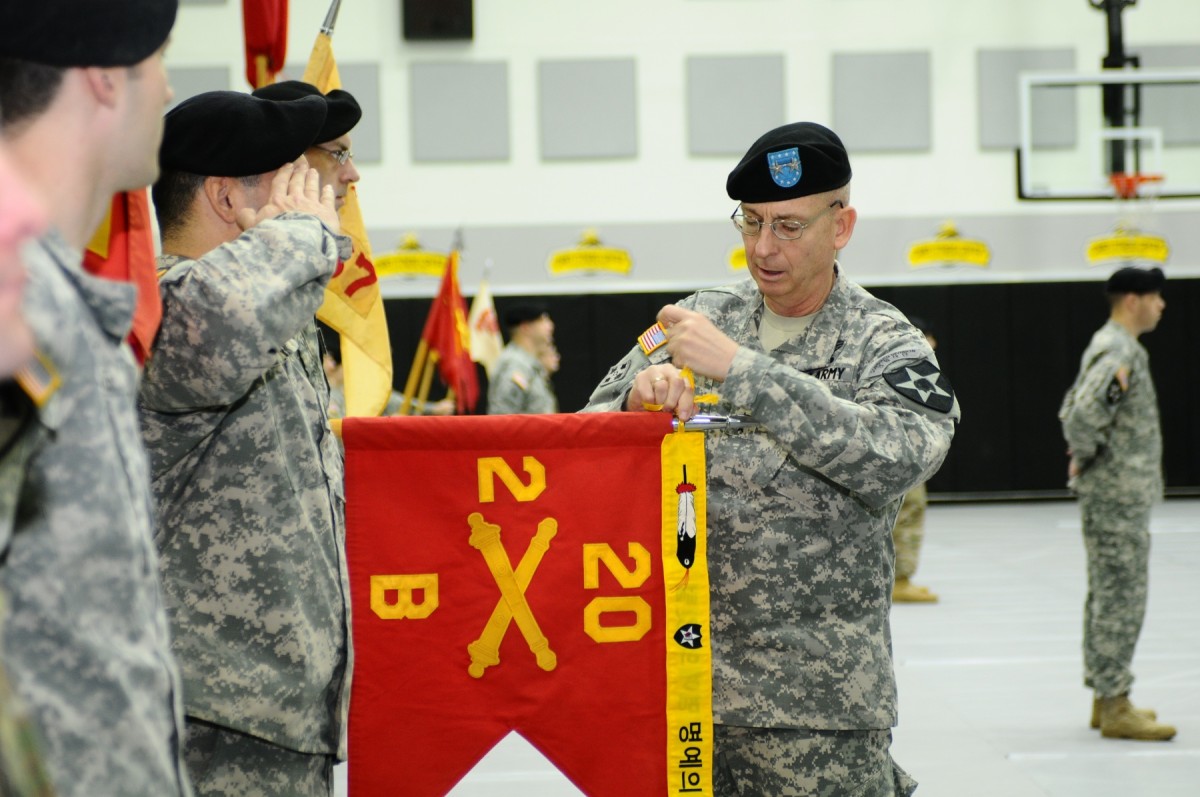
column 225, row 763
column 786, row 762
column 909, row 531
column 1117, row 539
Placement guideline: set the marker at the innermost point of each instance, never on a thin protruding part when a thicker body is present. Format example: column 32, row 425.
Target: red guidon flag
column 537, row 574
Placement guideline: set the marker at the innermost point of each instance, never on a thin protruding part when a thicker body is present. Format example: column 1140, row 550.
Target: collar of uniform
column 111, row 302
column 819, row 340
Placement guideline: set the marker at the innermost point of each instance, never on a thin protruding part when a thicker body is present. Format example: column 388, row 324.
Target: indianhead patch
column 923, row 383
column 1117, row 387
column 785, row 167
column 689, row 636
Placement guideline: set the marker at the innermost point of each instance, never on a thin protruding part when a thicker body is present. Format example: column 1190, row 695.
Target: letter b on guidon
column 405, row 587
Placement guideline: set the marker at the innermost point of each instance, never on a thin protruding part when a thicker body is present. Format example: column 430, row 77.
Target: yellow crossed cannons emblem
column 485, row 651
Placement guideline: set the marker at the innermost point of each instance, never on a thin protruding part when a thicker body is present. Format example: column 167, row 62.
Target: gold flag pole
column 418, row 365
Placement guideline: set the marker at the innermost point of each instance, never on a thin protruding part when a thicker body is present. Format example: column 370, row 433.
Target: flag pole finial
column 331, row 18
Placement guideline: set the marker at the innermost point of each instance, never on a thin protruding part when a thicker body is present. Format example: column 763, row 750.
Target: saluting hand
column 694, row 342
column 295, row 187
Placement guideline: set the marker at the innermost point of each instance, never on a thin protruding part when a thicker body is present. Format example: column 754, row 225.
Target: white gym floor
column 991, row 699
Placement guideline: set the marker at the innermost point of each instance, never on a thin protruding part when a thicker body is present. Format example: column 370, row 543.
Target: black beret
column 520, row 313
column 795, row 160
column 69, row 33
column 1136, row 280
column 344, row 111
column 232, row 134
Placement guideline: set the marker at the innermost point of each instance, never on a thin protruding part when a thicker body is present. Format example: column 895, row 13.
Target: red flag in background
column 446, row 333
column 265, row 23
column 123, row 249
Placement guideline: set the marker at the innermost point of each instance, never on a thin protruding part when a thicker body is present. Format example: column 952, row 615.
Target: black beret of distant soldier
column 792, row 161
column 344, row 111
column 232, row 134
column 70, row 33
column 520, row 313
column 1136, row 280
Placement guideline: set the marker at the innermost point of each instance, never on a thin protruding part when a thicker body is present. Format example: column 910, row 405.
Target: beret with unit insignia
column 71, row 33
column 233, row 134
column 795, row 160
column 343, row 111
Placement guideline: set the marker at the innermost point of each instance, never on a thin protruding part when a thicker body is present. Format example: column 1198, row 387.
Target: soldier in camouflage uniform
column 520, row 382
column 83, row 87
column 247, row 474
column 1110, row 421
column 854, row 412
column 22, row 773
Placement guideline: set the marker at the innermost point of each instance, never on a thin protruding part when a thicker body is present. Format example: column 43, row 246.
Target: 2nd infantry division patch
column 923, row 383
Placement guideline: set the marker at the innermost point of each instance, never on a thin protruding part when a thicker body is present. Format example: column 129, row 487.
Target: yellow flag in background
column 353, row 304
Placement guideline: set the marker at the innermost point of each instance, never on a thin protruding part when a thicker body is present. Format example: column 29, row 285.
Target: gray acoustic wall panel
column 361, row 80
column 188, row 81
column 459, row 111
column 588, row 109
column 999, row 99
column 732, row 100
column 881, row 101
column 1177, row 109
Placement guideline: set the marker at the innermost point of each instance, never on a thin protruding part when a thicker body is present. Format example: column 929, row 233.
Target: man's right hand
column 295, row 187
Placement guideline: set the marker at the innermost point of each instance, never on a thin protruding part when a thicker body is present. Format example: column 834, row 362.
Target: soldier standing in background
column 1110, row 421
column 83, row 87
column 909, row 532
column 247, row 473
column 854, row 411
column 520, row 382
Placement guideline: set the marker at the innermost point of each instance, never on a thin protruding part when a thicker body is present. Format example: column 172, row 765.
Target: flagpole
column 331, row 18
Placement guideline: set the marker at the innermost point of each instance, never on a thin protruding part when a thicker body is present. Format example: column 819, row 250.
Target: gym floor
column 991, row 699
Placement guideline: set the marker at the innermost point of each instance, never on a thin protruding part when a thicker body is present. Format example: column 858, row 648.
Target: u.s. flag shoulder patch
column 652, row 338
column 38, row 378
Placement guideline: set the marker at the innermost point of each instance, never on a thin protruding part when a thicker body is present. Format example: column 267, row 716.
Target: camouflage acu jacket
column 248, row 483
column 520, row 385
column 85, row 641
column 1110, row 419
column 800, row 513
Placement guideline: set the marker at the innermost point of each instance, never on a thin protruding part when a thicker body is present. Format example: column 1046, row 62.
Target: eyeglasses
column 784, row 229
column 342, row 156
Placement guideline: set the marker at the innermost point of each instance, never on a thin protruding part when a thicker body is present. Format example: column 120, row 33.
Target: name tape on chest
column 923, row 383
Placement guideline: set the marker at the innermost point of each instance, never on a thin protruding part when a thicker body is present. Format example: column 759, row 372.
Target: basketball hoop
column 1126, row 184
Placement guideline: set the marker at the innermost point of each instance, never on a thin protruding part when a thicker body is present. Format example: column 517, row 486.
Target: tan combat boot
column 1119, row 720
column 904, row 591
column 1148, row 713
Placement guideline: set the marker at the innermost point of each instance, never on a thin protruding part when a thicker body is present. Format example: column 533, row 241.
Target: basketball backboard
column 1069, row 149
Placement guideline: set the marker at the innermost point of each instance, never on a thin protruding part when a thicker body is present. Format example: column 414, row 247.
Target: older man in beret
column 82, row 91
column 853, row 411
column 1110, row 421
column 247, row 474
column 520, row 382
column 330, row 155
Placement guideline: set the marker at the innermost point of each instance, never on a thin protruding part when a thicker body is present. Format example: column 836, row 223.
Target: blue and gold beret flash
column 1136, row 280
column 232, row 134
column 344, row 111
column 77, row 33
column 792, row 161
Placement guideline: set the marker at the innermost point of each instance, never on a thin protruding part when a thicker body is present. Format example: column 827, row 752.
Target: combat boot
column 1119, row 720
column 1148, row 713
column 904, row 591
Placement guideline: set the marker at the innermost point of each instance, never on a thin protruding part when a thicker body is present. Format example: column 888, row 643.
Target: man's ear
column 102, row 82
column 218, row 192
